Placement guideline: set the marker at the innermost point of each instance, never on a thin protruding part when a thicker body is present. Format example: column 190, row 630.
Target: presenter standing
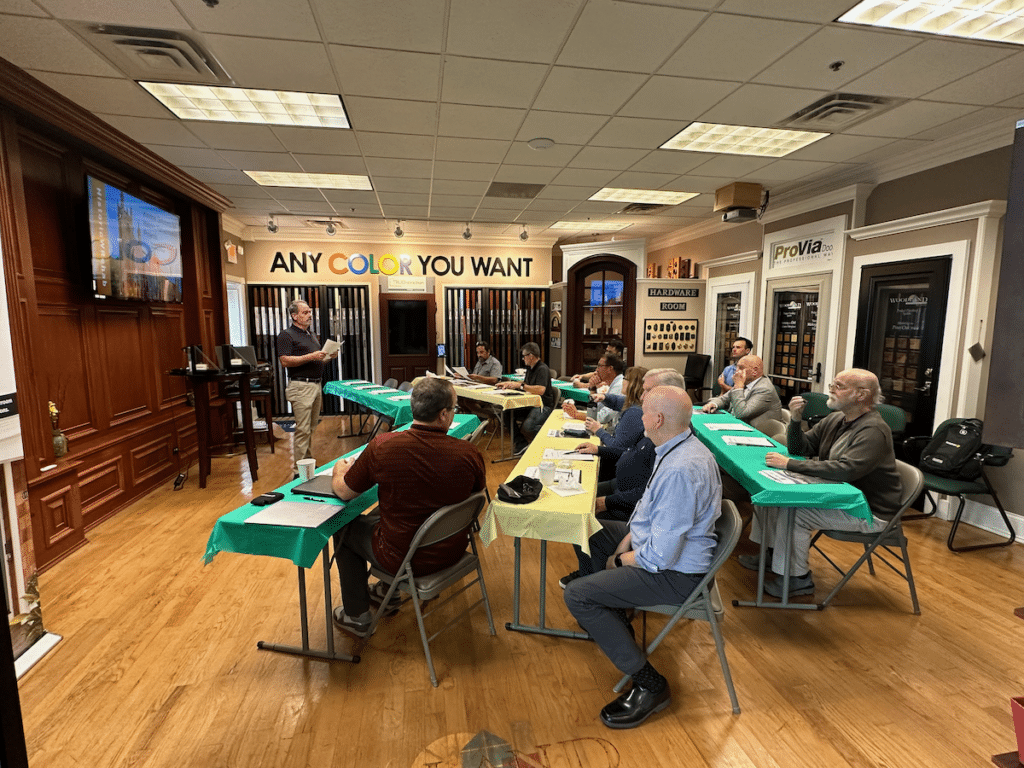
column 299, row 351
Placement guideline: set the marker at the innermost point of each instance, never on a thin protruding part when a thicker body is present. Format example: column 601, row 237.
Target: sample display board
column 670, row 337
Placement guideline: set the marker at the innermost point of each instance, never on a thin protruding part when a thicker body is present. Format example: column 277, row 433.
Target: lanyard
column 651, row 479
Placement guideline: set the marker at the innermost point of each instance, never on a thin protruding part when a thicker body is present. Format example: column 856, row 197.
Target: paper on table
column 332, row 347
column 794, row 478
column 555, row 454
column 747, row 440
column 400, row 397
column 534, row 472
column 295, row 514
column 720, row 426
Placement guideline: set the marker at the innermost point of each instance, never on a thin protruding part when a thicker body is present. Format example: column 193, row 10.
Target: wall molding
column 984, row 210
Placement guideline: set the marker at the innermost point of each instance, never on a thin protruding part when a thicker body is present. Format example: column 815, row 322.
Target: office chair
column 991, row 456
column 693, row 374
column 887, row 539
column 702, row 603
column 454, row 520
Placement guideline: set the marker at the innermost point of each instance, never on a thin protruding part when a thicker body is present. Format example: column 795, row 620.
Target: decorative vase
column 60, row 442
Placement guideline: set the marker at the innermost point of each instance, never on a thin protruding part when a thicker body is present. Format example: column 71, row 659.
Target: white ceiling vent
column 839, row 111
column 322, row 223
column 643, row 208
column 153, row 54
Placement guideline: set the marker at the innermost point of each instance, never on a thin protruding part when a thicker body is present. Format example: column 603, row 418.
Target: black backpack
column 953, row 451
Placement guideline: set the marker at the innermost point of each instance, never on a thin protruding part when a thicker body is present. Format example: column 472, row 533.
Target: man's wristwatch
column 618, row 561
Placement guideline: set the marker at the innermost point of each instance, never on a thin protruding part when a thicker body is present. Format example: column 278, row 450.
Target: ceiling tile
column 607, row 158
column 479, row 122
column 289, row 19
column 190, row 156
column 703, row 184
column 389, row 24
column 860, row 50
column 295, row 139
column 155, row 13
column 676, row 98
column 405, row 211
column 456, row 187
column 350, row 197
column 753, row 45
column 991, row 85
column 388, row 166
column 396, row 145
column 345, row 164
column 452, row 213
column 822, row 11
column 21, row 8
column 455, row 201
column 638, row 180
column 587, row 90
column 447, row 169
column 907, row 120
column 787, row 170
column 733, row 166
column 926, row 67
column 570, row 193
column 251, row 191
column 669, row 161
column 295, row 194
column 524, row 30
column 838, row 148
column 471, row 150
column 526, row 174
column 760, row 105
column 636, row 132
column 559, row 155
column 392, row 115
column 576, row 177
column 148, row 130
column 995, row 115
column 402, row 198
column 385, row 73
column 560, row 127
column 539, row 204
column 396, row 184
column 44, row 44
column 256, row 138
column 223, row 176
column 625, row 36
column 103, row 95
column 261, row 161
column 256, row 63
column 472, row 81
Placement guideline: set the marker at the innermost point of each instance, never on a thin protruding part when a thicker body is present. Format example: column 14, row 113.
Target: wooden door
column 408, row 337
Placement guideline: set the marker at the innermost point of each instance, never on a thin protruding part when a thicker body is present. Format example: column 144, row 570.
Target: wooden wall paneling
column 46, row 196
column 168, row 338
column 122, row 361
column 101, row 489
column 150, row 460
column 61, row 354
column 57, row 527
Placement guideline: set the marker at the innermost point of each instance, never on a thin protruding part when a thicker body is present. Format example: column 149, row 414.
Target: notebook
column 320, row 486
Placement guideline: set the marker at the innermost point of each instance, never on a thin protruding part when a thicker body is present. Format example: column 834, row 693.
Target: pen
column 312, row 498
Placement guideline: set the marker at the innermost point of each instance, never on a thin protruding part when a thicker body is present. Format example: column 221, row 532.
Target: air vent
column 153, row 54
column 516, row 191
column 643, row 208
column 322, row 223
column 838, row 111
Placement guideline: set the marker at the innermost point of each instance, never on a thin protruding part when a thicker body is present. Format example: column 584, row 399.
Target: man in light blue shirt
column 659, row 556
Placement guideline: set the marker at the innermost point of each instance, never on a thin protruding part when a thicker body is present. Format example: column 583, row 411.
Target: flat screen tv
column 136, row 247
column 606, row 292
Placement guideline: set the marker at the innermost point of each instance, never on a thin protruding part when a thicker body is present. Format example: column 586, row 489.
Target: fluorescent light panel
column 250, row 105
column 1000, row 21
column 595, row 226
column 654, row 196
column 309, row 180
column 741, row 140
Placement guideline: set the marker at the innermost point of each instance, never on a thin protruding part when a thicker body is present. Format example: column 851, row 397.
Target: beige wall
column 649, row 308
column 738, row 238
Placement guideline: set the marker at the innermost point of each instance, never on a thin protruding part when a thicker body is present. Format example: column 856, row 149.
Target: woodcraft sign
column 310, row 263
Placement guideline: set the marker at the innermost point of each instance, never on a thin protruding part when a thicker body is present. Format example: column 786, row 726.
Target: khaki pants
column 305, row 397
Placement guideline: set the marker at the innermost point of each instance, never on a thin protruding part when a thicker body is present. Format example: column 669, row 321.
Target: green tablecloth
column 300, row 545
column 377, row 398
column 745, row 462
column 580, row 395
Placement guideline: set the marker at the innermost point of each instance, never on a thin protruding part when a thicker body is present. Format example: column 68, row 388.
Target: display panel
column 136, row 247
column 606, row 292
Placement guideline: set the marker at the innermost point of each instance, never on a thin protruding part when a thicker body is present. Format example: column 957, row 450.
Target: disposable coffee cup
column 307, row 468
column 547, row 472
column 520, row 370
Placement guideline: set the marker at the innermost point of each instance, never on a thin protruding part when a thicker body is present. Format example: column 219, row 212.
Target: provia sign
column 818, row 248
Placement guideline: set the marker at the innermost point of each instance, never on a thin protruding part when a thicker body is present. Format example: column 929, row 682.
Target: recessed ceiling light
column 997, row 20
column 657, row 196
column 540, row 143
column 309, row 180
column 741, row 140
column 250, row 105
column 591, row 225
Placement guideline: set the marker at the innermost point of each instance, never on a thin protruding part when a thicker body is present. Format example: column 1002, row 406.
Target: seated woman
column 630, row 429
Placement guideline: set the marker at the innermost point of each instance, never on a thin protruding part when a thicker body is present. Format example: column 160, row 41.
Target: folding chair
column 472, row 437
column 393, row 383
column 992, row 456
column 453, row 520
column 702, row 603
column 887, row 539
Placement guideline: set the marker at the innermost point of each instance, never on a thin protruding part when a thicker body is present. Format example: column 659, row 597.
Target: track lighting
column 468, row 233
column 524, row 235
column 271, row 225
column 331, row 229
column 398, row 229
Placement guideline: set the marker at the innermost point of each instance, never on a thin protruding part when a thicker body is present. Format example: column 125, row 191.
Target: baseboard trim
column 981, row 516
column 35, row 653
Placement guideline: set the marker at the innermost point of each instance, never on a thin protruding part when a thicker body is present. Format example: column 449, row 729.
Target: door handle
column 926, row 389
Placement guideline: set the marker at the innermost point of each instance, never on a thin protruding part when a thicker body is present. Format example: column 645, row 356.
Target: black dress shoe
column 634, row 706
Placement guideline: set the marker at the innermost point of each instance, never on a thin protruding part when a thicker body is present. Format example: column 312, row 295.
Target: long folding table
column 231, row 533
column 579, row 394
column 391, row 405
column 745, row 463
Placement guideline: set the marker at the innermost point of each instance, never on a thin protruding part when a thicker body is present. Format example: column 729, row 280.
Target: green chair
column 815, row 409
column 896, row 418
column 990, row 456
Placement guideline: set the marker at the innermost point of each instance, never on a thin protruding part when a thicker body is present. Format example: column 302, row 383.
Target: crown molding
column 232, row 226
column 736, row 258
column 986, row 210
column 349, row 237
column 855, row 193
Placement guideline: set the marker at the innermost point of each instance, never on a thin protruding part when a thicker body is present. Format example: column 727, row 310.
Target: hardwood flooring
column 159, row 666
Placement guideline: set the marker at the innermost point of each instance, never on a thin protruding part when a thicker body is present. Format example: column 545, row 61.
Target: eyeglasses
column 837, row 385
column 602, row 365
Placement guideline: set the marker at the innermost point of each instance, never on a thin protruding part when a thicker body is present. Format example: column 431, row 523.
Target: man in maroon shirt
column 417, row 472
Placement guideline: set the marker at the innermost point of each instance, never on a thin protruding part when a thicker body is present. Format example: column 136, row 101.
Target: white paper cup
column 546, row 470
column 307, row 468
column 520, row 370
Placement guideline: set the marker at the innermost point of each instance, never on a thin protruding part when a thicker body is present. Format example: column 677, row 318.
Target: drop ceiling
column 443, row 97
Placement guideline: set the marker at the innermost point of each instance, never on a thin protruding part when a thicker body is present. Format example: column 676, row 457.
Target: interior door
column 408, row 337
column 900, row 319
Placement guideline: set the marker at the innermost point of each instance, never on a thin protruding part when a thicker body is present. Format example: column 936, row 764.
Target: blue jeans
column 531, row 426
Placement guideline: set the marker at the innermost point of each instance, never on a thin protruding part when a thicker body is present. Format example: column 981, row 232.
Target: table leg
column 201, row 394
column 787, row 521
column 330, row 654
column 250, row 436
column 540, row 628
column 503, row 456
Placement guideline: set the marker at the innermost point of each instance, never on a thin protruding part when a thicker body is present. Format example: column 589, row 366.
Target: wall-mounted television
column 606, row 292
column 136, row 247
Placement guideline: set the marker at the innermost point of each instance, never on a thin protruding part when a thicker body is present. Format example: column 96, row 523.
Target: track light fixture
column 468, row 233
column 271, row 225
column 524, row 235
column 331, row 229
column 399, row 232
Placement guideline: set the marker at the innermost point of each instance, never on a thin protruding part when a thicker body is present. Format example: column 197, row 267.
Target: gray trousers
column 806, row 520
column 305, row 397
column 593, row 600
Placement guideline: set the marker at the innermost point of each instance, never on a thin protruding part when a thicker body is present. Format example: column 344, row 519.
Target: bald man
column 752, row 393
column 852, row 445
column 659, row 556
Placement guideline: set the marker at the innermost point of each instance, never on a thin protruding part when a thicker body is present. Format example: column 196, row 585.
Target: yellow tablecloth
column 507, row 402
column 568, row 519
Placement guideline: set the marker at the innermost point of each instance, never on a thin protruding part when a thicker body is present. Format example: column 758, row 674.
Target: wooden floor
column 159, row 666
